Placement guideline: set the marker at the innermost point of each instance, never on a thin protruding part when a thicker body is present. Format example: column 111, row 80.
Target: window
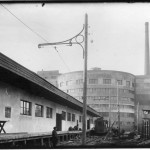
column 106, row 81
column 80, row 118
column 113, row 98
column 92, row 89
column 73, row 117
column 80, row 90
column 61, row 84
column 119, row 82
column 93, row 81
column 49, row 112
column 63, row 115
column 103, row 97
column 132, row 92
column 79, row 81
column 38, row 110
column 113, row 90
column 106, row 90
column 121, row 114
column 128, row 83
column 25, row 108
column 68, row 116
column 7, row 112
column 133, row 85
column 69, row 82
column 130, row 115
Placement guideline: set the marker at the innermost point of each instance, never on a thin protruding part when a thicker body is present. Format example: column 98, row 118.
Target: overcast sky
column 116, row 38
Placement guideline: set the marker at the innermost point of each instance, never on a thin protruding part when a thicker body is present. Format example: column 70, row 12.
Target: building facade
column 106, row 90
column 142, row 100
column 133, row 94
column 50, row 76
column 31, row 104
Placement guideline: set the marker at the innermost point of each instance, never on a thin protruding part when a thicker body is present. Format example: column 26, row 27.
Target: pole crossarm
column 68, row 42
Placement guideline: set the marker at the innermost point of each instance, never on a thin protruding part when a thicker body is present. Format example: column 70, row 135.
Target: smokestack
column 147, row 65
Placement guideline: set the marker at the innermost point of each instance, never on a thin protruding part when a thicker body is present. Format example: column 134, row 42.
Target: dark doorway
column 88, row 124
column 146, row 128
column 77, row 125
column 58, row 122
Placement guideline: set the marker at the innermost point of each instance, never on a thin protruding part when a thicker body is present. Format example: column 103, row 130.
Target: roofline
column 32, row 77
column 97, row 71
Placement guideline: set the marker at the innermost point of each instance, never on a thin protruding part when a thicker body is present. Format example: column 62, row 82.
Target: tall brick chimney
column 147, row 64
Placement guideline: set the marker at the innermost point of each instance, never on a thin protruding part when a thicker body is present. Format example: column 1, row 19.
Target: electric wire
column 24, row 23
column 62, row 60
column 34, row 33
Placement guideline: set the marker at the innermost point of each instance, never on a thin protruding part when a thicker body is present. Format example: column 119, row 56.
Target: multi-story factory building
column 142, row 99
column 105, row 91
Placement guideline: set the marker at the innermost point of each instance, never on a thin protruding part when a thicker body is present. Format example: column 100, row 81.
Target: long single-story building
column 31, row 104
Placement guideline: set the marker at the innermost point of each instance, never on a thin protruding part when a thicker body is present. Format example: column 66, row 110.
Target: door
column 146, row 128
column 58, row 122
column 88, row 124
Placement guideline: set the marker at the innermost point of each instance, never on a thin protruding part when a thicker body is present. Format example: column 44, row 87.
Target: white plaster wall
column 11, row 96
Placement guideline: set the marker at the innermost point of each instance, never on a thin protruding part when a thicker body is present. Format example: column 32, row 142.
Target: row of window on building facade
column 113, row 114
column 95, row 81
column 111, row 98
column 101, row 90
column 113, row 106
column 26, row 108
column 70, row 117
column 106, row 98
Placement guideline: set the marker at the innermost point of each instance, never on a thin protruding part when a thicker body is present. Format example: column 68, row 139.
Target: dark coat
column 54, row 136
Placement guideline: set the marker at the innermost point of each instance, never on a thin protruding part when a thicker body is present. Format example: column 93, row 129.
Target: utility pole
column 138, row 117
column 118, row 111
column 109, row 110
column 85, row 82
column 70, row 42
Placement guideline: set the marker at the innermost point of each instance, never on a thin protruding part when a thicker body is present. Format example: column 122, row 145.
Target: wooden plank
column 28, row 136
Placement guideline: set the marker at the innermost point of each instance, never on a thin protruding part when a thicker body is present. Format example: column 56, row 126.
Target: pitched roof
column 13, row 73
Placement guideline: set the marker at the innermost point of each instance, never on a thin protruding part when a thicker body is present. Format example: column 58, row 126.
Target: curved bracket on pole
column 69, row 42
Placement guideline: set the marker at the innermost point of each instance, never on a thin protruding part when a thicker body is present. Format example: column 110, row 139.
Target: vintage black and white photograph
column 74, row 75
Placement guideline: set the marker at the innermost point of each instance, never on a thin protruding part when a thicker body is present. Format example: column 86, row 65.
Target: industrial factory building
column 31, row 104
column 104, row 88
column 142, row 97
column 110, row 90
column 103, row 93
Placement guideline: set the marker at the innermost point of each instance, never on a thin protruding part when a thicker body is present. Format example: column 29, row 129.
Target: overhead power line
column 62, row 58
column 24, row 23
column 34, row 33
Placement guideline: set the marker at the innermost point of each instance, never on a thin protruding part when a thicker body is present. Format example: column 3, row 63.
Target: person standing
column 54, row 137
